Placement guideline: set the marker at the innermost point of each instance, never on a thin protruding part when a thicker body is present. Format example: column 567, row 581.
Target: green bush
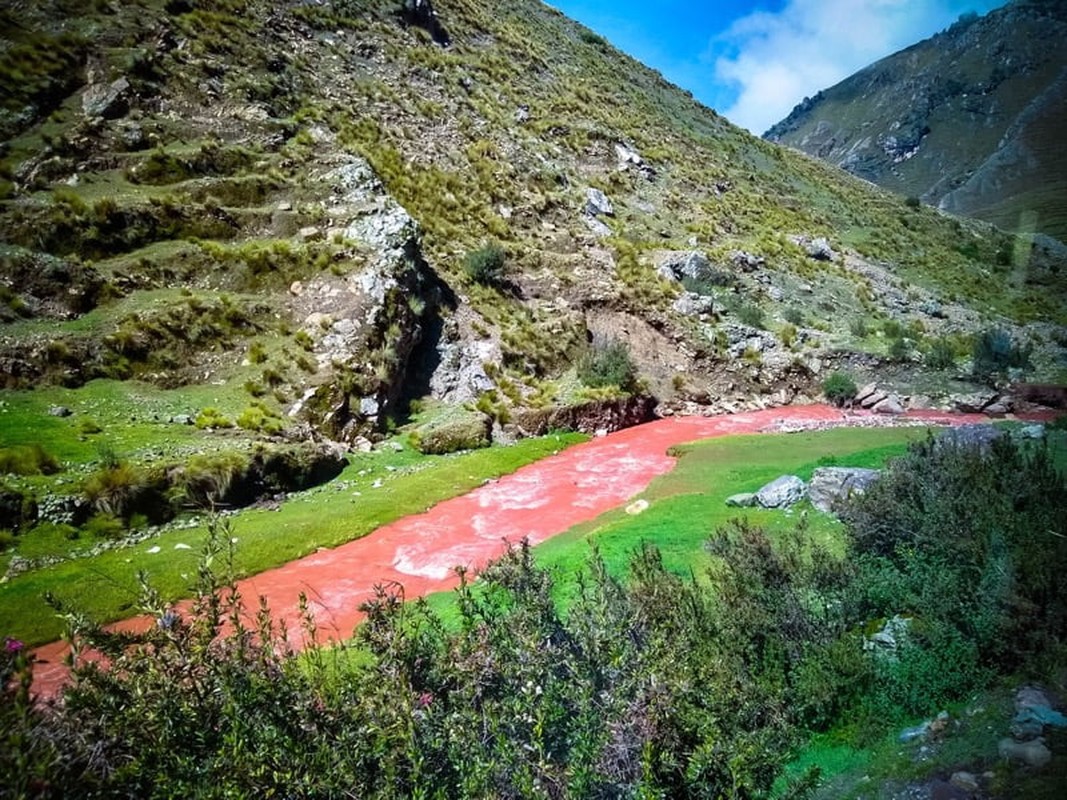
column 794, row 316
column 30, row 459
column 608, row 363
column 103, row 526
column 485, row 265
column 752, row 315
column 994, row 354
column 629, row 694
column 839, row 388
column 899, row 349
column 211, row 417
column 941, row 355
column 970, row 566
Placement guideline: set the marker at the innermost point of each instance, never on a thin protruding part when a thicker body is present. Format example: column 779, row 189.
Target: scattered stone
column 59, row 411
column 965, row 781
column 109, row 101
column 596, row 226
column 781, row 492
column 637, row 507
column 886, row 641
column 154, row 549
column 973, row 403
column 746, row 261
column 865, row 392
column 311, row 234
column 999, row 407
column 183, row 546
column 743, row 500
column 1033, row 753
column 597, row 203
column 691, row 304
column 871, row 400
column 832, row 486
column 182, row 419
column 968, row 436
column 890, row 405
column 911, row 734
column 817, row 248
column 693, row 264
column 1035, row 431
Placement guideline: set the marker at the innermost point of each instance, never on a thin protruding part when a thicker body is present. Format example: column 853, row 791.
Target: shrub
column 260, row 418
column 752, row 315
column 30, row 459
column 608, row 363
column 257, row 353
column 941, row 355
column 788, row 334
column 485, row 265
column 973, row 567
column 210, row 417
column 205, row 480
column 858, row 327
column 103, row 526
column 899, row 349
column 913, row 202
column 994, row 354
column 794, row 316
column 839, row 388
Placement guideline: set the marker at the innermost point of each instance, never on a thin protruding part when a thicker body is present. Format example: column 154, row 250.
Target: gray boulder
column 109, row 100
column 597, row 203
column 820, row 249
column 693, row 305
column 832, row 486
column 685, row 264
column 973, row 403
column 978, row 437
column 781, row 492
column 1033, row 753
column 891, row 404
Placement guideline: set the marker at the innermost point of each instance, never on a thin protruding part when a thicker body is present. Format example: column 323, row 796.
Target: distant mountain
column 970, row 120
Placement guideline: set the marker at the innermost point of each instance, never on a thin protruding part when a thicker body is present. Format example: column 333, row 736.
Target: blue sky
column 754, row 61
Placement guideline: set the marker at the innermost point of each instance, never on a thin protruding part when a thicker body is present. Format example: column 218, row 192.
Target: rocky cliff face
column 967, row 120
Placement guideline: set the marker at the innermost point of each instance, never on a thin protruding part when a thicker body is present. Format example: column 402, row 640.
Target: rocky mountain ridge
column 966, row 121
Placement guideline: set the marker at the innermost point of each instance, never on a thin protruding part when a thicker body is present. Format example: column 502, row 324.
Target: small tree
column 995, row 353
column 485, row 265
column 608, row 363
column 839, row 388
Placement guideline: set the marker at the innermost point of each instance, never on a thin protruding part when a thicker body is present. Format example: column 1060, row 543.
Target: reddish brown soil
column 538, row 501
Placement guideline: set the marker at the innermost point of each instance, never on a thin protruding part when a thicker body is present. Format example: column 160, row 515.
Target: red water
column 536, row 502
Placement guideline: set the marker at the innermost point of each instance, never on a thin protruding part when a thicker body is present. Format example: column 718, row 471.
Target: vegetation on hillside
column 652, row 685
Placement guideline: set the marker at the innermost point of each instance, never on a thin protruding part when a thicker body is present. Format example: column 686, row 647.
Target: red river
column 538, row 501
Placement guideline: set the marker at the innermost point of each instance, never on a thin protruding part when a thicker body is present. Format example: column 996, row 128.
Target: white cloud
column 774, row 60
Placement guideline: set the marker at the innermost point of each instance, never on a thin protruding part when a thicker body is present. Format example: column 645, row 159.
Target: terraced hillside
column 968, row 120
column 239, row 231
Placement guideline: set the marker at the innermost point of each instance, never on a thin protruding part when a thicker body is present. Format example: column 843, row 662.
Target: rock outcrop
column 831, row 486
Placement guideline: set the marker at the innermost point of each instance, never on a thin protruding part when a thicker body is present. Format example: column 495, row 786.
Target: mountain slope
column 281, row 199
column 967, row 120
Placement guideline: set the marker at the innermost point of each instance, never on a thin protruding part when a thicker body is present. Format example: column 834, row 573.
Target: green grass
column 134, row 418
column 105, row 586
